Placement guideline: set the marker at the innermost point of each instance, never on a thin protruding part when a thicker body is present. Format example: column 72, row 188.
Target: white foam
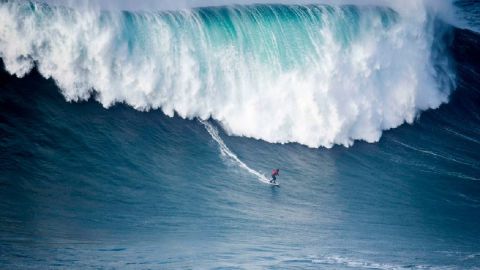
column 316, row 83
column 337, row 260
column 226, row 152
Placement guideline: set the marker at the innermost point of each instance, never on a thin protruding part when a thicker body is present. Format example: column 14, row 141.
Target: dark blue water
column 91, row 188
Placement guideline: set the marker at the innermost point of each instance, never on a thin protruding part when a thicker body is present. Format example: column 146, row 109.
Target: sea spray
column 318, row 75
column 226, row 152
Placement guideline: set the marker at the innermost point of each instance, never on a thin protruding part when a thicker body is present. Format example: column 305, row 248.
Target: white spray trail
column 226, row 152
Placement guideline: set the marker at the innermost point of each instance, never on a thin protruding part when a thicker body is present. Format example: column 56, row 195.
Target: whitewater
column 94, row 174
column 317, row 74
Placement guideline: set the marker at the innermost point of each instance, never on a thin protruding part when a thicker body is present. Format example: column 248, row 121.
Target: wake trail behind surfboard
column 226, row 152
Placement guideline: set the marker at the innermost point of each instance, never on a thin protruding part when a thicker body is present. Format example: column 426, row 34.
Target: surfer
column 275, row 173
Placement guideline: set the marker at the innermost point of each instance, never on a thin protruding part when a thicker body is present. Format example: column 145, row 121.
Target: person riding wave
column 275, row 173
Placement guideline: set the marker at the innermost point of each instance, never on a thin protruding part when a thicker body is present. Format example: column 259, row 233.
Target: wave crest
column 317, row 75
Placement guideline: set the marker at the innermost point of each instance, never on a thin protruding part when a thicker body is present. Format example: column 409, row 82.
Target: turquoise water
column 88, row 187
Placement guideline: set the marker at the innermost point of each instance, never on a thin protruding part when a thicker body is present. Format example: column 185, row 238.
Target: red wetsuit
column 275, row 173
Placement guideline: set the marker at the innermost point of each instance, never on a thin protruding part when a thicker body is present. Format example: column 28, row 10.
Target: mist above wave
column 316, row 74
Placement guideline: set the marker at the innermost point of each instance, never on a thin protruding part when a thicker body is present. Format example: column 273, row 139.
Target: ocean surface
column 144, row 139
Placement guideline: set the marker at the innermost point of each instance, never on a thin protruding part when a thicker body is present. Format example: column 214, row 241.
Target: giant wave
column 318, row 75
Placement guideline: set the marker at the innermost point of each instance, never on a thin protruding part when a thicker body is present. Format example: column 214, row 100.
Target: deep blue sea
column 144, row 139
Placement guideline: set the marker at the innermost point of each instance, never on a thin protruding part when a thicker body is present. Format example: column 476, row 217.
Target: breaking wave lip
column 318, row 75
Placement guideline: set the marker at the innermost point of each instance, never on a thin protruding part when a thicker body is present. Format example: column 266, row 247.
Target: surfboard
column 274, row 184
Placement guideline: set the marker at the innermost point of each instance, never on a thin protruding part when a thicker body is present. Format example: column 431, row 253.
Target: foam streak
column 226, row 152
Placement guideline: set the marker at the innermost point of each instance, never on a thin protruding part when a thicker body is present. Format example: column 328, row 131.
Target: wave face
column 318, row 75
column 83, row 187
